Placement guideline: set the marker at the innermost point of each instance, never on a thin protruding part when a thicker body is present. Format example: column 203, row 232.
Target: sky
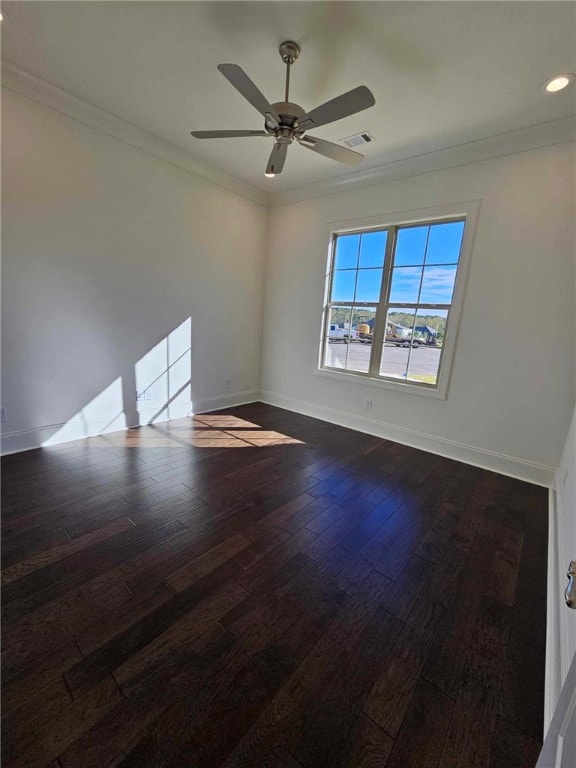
column 424, row 269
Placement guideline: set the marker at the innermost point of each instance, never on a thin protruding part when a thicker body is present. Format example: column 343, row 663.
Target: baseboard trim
column 511, row 466
column 208, row 404
column 64, row 432
column 26, row 440
column 152, row 413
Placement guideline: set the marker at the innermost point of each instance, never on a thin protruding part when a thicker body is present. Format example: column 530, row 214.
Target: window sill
column 400, row 387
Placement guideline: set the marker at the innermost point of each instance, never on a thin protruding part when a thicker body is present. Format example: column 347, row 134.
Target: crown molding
column 524, row 139
column 511, row 142
column 25, row 83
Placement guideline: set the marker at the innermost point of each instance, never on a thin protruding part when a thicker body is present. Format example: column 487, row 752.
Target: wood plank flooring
column 258, row 588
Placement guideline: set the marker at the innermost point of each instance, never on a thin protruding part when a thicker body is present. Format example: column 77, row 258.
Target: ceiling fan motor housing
column 288, row 114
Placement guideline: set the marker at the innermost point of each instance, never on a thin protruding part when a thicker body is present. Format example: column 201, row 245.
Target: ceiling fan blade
column 240, row 80
column 331, row 150
column 347, row 104
column 277, row 159
column 226, row 134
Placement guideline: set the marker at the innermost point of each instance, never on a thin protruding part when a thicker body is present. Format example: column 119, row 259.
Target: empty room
column 288, row 384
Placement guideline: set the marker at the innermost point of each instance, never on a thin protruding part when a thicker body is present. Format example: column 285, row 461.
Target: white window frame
column 466, row 210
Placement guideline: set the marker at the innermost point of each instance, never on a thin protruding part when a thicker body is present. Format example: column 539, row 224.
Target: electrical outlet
column 228, row 383
column 368, row 405
column 3, row 414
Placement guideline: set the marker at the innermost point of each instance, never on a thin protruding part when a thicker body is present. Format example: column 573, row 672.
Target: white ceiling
column 443, row 73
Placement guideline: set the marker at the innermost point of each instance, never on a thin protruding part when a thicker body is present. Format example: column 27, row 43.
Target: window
column 390, row 311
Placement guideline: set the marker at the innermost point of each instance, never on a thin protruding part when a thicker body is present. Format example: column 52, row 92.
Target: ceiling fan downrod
column 289, row 52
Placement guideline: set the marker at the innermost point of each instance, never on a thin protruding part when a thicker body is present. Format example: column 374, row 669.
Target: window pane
column 338, row 336
column 424, row 362
column 346, row 251
column 368, row 285
column 358, row 357
column 372, row 248
column 430, row 326
column 343, row 285
column 363, row 319
column 429, row 336
column 444, row 243
column 438, row 285
column 405, row 284
column 410, row 246
column 397, row 340
column 361, row 343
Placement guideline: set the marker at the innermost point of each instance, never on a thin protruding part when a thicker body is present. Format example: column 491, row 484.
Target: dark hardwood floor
column 258, row 588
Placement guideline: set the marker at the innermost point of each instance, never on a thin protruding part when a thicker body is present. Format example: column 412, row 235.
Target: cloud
column 437, row 285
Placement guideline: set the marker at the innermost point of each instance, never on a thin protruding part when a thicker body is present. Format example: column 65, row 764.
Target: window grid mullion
column 410, row 304
column 381, row 310
column 328, row 297
column 410, row 348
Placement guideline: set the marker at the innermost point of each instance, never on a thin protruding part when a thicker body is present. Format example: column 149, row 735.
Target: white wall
column 512, row 389
column 113, row 259
column 109, row 253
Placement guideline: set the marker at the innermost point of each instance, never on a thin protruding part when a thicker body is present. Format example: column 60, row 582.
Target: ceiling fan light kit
column 287, row 122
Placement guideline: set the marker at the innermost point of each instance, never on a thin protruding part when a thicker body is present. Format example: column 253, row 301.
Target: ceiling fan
column 287, row 122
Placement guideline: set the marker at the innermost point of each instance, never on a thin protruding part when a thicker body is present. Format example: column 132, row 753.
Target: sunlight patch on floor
column 197, row 432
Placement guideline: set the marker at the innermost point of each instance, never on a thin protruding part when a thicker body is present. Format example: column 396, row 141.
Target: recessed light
column 558, row 82
column 269, row 175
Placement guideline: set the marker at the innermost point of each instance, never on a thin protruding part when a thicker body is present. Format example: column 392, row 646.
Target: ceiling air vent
column 357, row 140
